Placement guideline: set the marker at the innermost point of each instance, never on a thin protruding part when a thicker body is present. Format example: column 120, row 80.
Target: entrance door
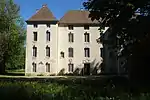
column 87, row 69
column 41, row 68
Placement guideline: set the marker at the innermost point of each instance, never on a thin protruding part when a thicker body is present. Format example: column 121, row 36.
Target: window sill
column 71, row 42
column 86, row 42
column 47, row 57
column 34, row 41
column 33, row 58
column 47, row 41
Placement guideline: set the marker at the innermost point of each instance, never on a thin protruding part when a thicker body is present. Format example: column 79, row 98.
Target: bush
column 40, row 74
column 71, row 89
column 52, row 75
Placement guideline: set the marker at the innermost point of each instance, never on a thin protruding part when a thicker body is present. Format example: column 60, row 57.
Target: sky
column 58, row 7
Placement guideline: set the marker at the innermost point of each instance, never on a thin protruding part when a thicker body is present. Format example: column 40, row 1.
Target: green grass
column 70, row 89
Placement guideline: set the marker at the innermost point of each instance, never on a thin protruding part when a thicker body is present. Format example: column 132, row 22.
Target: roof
column 77, row 17
column 44, row 14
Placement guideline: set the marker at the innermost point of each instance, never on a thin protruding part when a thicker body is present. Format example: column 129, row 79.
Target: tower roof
column 44, row 14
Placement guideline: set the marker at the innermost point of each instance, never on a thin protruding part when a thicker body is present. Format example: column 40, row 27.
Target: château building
column 67, row 45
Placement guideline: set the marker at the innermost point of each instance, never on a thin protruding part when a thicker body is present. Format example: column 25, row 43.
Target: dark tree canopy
column 128, row 22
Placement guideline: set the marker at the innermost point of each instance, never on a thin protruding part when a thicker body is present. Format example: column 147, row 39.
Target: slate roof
column 71, row 17
column 44, row 14
column 77, row 17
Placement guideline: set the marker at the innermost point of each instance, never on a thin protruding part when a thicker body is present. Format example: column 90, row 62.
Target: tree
column 128, row 22
column 12, row 35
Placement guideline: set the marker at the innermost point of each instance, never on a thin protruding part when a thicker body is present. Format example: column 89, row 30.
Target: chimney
column 44, row 5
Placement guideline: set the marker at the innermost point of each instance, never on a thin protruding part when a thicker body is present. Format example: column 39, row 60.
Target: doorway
column 87, row 69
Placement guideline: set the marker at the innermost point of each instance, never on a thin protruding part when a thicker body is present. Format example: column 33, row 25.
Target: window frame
column 87, row 52
column 86, row 27
column 71, row 37
column 70, row 27
column 86, row 37
column 34, row 67
column 35, row 25
column 48, row 67
column 70, row 67
column 34, row 52
column 48, row 25
column 70, row 52
column 48, row 50
column 62, row 54
column 35, row 36
column 48, row 36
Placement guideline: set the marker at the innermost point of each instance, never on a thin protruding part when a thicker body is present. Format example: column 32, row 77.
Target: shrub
column 40, row 74
column 52, row 75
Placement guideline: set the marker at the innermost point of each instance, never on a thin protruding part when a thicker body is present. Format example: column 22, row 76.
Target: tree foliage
column 12, row 35
column 128, row 20
column 129, row 32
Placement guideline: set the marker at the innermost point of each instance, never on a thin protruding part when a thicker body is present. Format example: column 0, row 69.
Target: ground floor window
column 71, row 67
column 47, row 67
column 34, row 67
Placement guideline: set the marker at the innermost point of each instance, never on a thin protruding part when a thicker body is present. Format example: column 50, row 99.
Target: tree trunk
column 2, row 68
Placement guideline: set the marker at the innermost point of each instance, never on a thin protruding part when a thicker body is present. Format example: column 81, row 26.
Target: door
column 87, row 69
column 41, row 68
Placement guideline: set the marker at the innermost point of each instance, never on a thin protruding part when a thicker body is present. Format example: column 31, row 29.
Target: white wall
column 41, row 48
column 59, row 42
column 78, row 45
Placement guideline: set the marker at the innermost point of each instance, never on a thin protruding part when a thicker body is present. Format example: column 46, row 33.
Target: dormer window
column 70, row 27
column 48, row 25
column 35, row 25
column 86, row 27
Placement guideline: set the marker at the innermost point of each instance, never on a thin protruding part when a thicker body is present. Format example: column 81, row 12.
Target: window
column 62, row 54
column 70, row 27
column 48, row 25
column 101, row 52
column 34, row 51
column 34, row 67
column 70, row 51
column 48, row 36
column 86, row 37
column 110, row 54
column 35, row 25
column 48, row 51
column 47, row 67
column 70, row 36
column 35, row 36
column 86, row 27
column 87, row 52
column 71, row 67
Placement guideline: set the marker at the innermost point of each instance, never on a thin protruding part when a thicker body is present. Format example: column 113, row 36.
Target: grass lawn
column 111, row 88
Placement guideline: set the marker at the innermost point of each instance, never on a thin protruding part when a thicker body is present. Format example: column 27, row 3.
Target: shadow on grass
column 94, row 88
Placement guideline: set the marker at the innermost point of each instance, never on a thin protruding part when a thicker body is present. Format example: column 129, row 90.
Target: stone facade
column 59, row 44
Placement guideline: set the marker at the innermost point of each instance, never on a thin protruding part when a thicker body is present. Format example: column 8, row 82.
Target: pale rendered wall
column 41, row 48
column 78, row 45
